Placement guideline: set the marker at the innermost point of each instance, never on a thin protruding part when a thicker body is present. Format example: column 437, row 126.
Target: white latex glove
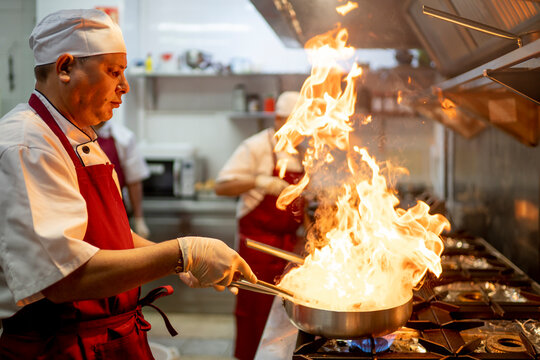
column 271, row 185
column 211, row 263
column 190, row 280
column 140, row 227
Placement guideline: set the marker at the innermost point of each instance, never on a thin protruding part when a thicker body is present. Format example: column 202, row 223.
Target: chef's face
column 95, row 87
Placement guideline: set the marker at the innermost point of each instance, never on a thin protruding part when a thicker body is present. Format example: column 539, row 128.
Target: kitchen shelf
column 233, row 115
column 259, row 115
column 157, row 74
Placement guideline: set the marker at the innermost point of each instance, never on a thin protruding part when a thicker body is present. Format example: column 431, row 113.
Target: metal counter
column 217, row 205
column 168, row 218
column 279, row 337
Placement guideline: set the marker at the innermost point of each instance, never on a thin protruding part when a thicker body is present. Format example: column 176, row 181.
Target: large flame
column 370, row 254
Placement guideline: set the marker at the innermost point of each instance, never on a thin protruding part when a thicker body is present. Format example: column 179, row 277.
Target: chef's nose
column 123, row 85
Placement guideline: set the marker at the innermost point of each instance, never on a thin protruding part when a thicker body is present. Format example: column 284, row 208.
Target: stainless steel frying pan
column 335, row 324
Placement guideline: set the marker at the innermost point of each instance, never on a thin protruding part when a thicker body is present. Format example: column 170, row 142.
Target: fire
column 370, row 254
column 448, row 106
column 345, row 9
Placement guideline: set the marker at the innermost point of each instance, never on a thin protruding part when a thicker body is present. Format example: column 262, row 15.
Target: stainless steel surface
column 335, row 324
column 502, row 93
column 456, row 49
column 523, row 82
column 471, row 24
column 282, row 254
column 511, row 59
column 496, row 187
column 374, row 24
column 348, row 324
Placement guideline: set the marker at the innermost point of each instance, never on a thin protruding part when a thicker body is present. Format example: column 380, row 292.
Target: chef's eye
column 116, row 73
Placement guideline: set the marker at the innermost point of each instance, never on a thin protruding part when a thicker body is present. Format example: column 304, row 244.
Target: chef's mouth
column 116, row 104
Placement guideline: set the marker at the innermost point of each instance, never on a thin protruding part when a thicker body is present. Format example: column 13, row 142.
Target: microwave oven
column 171, row 177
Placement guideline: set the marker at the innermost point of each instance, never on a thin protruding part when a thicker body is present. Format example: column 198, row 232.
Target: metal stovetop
column 481, row 307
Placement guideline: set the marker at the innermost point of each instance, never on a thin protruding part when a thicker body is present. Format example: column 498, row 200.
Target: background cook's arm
column 234, row 187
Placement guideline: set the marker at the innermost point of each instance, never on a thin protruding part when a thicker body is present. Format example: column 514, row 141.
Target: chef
column 120, row 146
column 70, row 265
column 251, row 173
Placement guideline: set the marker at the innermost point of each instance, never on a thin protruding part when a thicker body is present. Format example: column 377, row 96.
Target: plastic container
column 269, row 104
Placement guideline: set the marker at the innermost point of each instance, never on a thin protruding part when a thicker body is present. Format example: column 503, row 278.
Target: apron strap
column 42, row 111
column 154, row 295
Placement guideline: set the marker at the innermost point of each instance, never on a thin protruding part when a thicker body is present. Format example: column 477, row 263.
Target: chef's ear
column 64, row 65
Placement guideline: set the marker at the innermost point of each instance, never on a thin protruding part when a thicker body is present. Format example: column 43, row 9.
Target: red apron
column 108, row 146
column 111, row 328
column 269, row 225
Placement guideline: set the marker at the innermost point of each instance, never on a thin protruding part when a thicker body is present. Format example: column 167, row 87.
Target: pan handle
column 277, row 252
column 262, row 287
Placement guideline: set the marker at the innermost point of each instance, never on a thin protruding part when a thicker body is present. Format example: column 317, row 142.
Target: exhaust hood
column 490, row 51
column 374, row 24
column 487, row 50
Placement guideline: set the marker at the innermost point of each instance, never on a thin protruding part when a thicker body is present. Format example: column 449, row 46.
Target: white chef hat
column 79, row 32
column 285, row 103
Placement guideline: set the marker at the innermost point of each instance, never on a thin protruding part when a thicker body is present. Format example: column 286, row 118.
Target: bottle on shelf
column 148, row 66
column 239, row 98
column 269, row 103
column 253, row 103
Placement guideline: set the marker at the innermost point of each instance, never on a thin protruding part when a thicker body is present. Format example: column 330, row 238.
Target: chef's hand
column 271, row 185
column 140, row 227
column 210, row 262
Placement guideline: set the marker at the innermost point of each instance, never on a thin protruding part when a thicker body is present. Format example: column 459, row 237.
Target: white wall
column 16, row 23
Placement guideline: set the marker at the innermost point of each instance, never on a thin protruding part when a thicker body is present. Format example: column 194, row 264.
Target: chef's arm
column 268, row 184
column 234, row 187
column 110, row 272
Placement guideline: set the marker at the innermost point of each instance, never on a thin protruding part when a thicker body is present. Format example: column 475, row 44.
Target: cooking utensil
column 262, row 287
column 197, row 59
column 348, row 324
column 335, row 324
column 282, row 254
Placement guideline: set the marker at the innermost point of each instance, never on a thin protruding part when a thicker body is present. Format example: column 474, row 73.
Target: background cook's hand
column 211, row 262
column 272, row 185
column 140, row 227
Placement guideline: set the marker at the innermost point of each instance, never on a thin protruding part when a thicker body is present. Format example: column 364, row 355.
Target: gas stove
column 481, row 307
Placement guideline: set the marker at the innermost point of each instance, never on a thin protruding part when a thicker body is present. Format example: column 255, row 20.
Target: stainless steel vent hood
column 374, row 24
column 490, row 51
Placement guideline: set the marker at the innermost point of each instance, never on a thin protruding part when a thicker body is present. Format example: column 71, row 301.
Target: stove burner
column 504, row 343
column 470, row 296
column 371, row 345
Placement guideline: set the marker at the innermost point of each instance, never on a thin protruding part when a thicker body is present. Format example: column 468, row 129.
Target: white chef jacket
column 133, row 164
column 254, row 157
column 43, row 216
